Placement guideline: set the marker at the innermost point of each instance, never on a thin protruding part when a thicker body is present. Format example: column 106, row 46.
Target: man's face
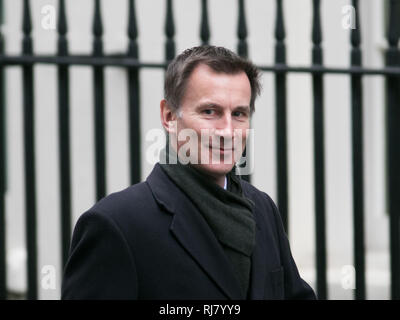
column 217, row 105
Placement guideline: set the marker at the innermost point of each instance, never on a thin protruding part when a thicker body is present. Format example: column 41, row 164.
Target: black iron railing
column 393, row 150
column 3, row 288
column 64, row 135
column 319, row 158
column 29, row 155
column 131, row 62
column 358, row 166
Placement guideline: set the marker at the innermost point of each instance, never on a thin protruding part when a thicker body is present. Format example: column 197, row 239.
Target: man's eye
column 238, row 113
column 208, row 111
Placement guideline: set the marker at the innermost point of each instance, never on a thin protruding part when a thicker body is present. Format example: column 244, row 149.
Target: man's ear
column 168, row 117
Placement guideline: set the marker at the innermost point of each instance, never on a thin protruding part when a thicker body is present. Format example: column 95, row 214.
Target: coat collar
column 194, row 234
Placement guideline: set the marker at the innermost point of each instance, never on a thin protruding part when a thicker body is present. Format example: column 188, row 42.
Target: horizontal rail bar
column 88, row 60
column 395, row 71
column 124, row 61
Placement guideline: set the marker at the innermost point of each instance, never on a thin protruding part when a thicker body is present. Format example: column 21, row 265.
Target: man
column 193, row 229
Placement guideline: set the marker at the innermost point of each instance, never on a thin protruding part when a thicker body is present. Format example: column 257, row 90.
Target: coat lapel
column 259, row 257
column 193, row 233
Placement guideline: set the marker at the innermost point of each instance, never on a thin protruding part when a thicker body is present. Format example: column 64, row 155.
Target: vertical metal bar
column 319, row 159
column 64, row 135
column 100, row 148
column 358, row 163
column 242, row 50
column 134, row 98
column 169, row 32
column 242, row 47
column 204, row 26
column 281, row 122
column 169, row 29
column 3, row 272
column 29, row 153
column 393, row 150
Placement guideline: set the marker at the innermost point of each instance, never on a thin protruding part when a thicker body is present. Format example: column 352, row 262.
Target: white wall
column 223, row 20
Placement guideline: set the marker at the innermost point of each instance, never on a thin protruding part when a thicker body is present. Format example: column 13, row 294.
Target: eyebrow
column 216, row 105
column 245, row 109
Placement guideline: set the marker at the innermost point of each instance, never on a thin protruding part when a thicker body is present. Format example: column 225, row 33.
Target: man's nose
column 225, row 127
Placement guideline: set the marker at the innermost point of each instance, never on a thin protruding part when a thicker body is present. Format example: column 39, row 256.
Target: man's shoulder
column 129, row 196
column 129, row 203
column 137, row 203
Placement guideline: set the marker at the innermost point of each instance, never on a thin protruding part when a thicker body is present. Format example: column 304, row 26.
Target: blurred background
column 80, row 87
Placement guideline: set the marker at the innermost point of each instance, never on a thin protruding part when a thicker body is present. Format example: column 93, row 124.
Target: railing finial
column 132, row 30
column 242, row 31
column 204, row 25
column 169, row 32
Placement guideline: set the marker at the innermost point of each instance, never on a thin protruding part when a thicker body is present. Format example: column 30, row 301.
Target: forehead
column 205, row 81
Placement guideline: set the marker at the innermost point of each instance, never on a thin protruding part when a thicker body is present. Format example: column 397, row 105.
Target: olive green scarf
column 227, row 212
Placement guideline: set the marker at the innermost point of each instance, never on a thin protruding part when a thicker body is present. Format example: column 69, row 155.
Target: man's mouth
column 222, row 150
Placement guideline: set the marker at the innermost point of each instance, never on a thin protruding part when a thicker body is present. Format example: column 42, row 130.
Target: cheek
column 244, row 136
column 190, row 122
column 188, row 132
column 240, row 135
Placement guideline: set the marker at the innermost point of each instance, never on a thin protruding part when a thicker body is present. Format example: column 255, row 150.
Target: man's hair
column 219, row 59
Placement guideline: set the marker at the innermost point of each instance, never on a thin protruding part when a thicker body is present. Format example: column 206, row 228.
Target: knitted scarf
column 227, row 212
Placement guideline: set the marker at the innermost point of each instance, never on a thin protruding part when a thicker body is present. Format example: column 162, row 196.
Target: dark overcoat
column 150, row 242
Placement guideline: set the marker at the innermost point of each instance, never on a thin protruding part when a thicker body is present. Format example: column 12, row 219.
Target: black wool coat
column 150, row 242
